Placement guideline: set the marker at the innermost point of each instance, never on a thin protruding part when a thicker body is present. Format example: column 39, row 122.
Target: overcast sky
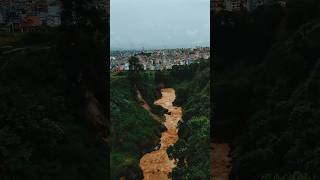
column 159, row 23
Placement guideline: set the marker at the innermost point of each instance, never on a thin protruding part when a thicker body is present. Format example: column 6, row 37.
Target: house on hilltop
column 30, row 23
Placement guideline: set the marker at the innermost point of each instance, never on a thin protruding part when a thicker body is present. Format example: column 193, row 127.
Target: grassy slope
column 133, row 131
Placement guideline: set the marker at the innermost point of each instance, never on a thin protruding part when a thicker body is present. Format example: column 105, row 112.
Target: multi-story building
column 126, row 66
column 19, row 15
column 30, row 23
column 53, row 16
column 235, row 5
column 253, row 4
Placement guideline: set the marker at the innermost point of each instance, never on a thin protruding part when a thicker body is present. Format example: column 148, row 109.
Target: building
column 253, row 4
column 150, row 66
column 13, row 22
column 157, row 67
column 126, row 66
column 24, row 15
column 53, row 21
column 30, row 24
column 53, row 16
column 235, row 5
column 218, row 5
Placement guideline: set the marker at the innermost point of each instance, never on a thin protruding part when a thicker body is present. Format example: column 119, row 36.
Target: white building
column 54, row 15
column 235, row 5
column 206, row 56
column 53, row 21
column 126, row 66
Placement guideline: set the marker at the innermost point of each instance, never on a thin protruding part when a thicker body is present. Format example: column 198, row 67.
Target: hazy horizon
column 155, row 24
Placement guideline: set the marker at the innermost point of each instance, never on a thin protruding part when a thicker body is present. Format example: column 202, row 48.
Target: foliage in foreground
column 133, row 131
column 41, row 136
column 267, row 100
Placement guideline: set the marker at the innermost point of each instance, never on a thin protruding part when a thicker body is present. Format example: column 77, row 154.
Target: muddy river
column 156, row 165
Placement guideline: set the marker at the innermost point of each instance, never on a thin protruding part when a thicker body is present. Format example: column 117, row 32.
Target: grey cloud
column 149, row 23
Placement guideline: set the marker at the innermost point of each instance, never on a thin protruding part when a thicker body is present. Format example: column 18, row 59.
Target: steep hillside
column 193, row 147
column 133, row 131
column 265, row 97
column 284, row 112
column 41, row 134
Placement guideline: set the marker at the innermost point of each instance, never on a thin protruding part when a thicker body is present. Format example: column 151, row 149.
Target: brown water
column 157, row 165
column 220, row 161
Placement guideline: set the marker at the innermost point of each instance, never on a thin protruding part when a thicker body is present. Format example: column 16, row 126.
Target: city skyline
column 153, row 24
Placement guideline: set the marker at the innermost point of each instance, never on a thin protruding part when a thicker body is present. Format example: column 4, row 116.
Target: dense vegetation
column 41, row 135
column 129, row 144
column 45, row 91
column 133, row 131
column 193, row 147
column 265, row 94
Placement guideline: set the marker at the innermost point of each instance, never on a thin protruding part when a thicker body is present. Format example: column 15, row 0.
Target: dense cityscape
column 158, row 59
column 29, row 15
column 238, row 5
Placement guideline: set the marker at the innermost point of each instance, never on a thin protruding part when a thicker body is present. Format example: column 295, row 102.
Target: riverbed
column 156, row 165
